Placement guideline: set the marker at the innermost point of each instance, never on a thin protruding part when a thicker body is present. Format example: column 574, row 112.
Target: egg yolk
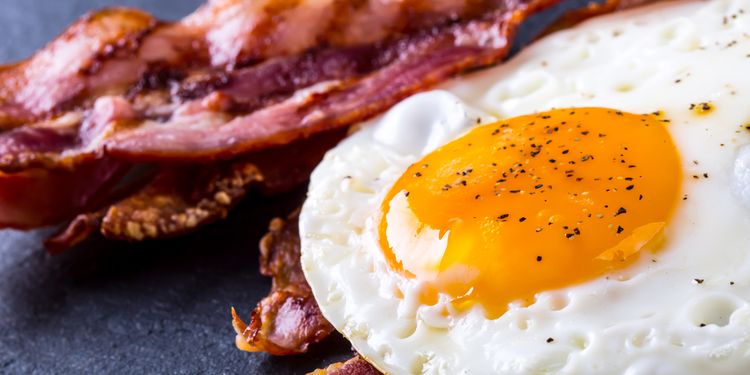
column 531, row 204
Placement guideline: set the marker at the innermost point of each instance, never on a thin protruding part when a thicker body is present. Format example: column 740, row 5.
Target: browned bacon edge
column 354, row 366
column 288, row 320
column 182, row 198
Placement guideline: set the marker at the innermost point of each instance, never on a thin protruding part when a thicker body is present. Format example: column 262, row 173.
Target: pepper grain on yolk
column 531, row 204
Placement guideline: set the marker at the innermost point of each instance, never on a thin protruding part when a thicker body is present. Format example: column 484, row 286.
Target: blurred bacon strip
column 288, row 320
column 57, row 74
column 41, row 197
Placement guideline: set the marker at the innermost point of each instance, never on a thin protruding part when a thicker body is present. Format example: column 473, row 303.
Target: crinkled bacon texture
column 288, row 320
column 119, row 88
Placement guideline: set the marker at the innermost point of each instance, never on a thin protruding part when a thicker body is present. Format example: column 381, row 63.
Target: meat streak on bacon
column 233, row 78
column 288, row 320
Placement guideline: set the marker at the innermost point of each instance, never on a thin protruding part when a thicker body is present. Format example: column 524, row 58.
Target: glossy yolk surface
column 531, row 204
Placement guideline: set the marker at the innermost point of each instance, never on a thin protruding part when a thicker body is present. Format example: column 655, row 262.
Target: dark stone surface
column 159, row 307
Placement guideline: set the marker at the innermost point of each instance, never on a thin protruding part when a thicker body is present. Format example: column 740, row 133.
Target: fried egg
column 582, row 209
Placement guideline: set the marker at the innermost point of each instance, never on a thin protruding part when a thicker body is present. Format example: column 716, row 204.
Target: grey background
column 160, row 307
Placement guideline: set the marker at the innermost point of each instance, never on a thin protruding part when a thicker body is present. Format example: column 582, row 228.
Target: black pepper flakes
column 620, row 229
column 699, row 281
column 621, row 211
column 538, row 258
column 550, row 340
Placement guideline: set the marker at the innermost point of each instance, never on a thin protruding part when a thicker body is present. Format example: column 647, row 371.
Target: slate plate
column 160, row 307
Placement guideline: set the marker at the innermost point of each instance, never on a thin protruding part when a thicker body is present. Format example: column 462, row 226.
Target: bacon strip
column 288, row 320
column 180, row 199
column 422, row 61
column 195, row 89
column 55, row 75
column 40, row 197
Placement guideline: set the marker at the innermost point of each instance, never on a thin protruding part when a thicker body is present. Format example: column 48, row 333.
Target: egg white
column 683, row 310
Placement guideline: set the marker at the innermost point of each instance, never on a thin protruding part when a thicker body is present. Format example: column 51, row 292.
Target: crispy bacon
column 178, row 200
column 288, row 320
column 227, row 80
column 354, row 366
column 183, row 197
column 355, row 89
